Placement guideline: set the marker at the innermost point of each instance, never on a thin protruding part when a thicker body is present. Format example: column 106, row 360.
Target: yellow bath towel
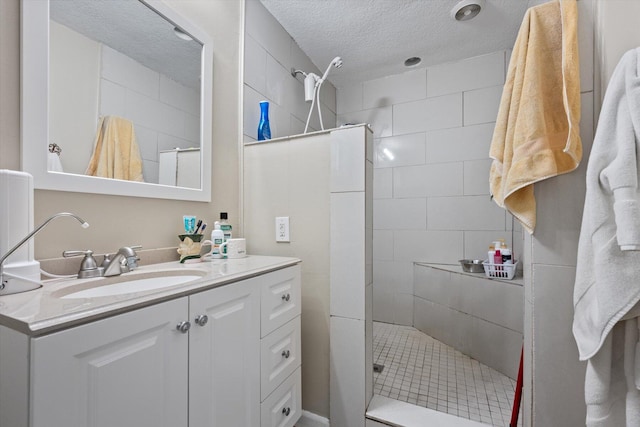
column 115, row 151
column 537, row 133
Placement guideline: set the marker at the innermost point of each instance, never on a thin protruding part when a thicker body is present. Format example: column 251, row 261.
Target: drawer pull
column 286, row 297
column 286, row 411
column 286, row 354
column 202, row 320
column 183, row 327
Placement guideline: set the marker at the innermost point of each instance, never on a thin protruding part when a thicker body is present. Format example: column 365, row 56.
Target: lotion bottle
column 217, row 237
column 497, row 258
column 491, row 254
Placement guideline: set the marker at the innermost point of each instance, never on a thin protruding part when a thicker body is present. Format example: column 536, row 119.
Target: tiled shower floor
column 423, row 371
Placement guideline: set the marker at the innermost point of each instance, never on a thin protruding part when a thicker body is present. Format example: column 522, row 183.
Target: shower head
column 335, row 62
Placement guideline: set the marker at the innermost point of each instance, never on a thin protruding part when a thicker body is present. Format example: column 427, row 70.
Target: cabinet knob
column 183, row 327
column 286, row 411
column 286, row 297
column 286, row 354
column 202, row 320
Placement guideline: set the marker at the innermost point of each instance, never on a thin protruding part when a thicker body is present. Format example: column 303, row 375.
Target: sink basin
column 130, row 283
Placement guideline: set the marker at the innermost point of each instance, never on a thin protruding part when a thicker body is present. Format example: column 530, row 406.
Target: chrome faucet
column 4, row 277
column 123, row 261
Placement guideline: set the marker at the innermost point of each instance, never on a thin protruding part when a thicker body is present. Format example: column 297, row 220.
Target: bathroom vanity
column 222, row 349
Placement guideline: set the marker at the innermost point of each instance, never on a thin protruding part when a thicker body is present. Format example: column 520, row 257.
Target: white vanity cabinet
column 145, row 367
column 126, row 370
column 224, row 354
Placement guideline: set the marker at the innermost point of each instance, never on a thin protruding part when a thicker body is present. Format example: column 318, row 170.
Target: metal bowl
column 472, row 265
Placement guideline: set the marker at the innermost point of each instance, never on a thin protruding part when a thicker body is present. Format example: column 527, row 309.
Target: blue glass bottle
column 264, row 131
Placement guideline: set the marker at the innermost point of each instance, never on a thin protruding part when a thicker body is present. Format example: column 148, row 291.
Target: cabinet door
column 224, row 356
column 126, row 370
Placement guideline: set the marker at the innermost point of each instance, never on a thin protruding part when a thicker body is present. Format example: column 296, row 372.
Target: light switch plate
column 282, row 229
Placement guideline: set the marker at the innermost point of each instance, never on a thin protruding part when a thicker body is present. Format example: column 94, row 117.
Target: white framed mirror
column 124, row 89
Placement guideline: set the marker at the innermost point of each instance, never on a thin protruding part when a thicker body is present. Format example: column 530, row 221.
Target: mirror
column 121, row 90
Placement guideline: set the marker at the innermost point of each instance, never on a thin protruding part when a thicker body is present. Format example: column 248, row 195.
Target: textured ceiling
column 133, row 29
column 374, row 37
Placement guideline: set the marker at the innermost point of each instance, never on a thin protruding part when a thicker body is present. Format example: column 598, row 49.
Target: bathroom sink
column 130, row 283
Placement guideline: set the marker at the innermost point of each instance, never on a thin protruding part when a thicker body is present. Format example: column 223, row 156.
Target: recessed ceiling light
column 467, row 9
column 413, row 61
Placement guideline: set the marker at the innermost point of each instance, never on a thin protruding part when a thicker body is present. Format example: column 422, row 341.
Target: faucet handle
column 131, row 256
column 88, row 266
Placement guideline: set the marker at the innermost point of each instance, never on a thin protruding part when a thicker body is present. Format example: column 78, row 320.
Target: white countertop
column 43, row 310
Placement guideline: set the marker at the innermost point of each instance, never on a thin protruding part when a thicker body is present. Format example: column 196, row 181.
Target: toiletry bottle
column 506, row 255
column 217, row 237
column 491, row 254
column 264, row 130
column 226, row 229
column 225, row 226
column 497, row 259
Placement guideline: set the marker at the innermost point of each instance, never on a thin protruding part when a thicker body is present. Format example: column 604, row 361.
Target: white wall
column 431, row 199
column 270, row 54
column 75, row 77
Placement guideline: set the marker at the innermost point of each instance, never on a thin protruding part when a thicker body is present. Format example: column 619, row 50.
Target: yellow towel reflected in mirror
column 115, row 151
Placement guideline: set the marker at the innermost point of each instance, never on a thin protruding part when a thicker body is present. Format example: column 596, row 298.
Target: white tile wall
column 347, row 376
column 255, row 62
column 349, row 98
column 391, row 90
column 394, row 276
column 161, row 109
column 269, row 55
column 431, row 196
column 473, row 73
column 476, row 177
column 428, row 114
column 380, row 120
column 429, row 246
column 481, row 105
column 458, row 144
column 383, row 183
column 441, row 179
column 464, row 213
column 400, row 214
column 382, row 246
column 346, row 251
column 402, row 150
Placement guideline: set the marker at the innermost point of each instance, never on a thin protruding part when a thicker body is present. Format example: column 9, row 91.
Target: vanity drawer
column 280, row 356
column 284, row 406
column 280, row 299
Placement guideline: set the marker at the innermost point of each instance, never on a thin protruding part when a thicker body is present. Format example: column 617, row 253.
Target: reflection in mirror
column 124, row 86
column 124, row 82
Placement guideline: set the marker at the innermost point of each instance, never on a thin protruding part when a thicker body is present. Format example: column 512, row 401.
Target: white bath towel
column 611, row 394
column 607, row 283
column 53, row 163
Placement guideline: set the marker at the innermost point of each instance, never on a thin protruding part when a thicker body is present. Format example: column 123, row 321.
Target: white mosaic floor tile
column 423, row 371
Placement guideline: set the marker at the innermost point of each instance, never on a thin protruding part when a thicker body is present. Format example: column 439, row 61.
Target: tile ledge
column 456, row 268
